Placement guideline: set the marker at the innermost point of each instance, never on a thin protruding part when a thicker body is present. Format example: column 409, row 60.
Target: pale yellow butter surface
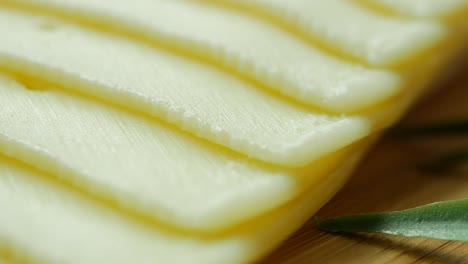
column 196, row 98
column 350, row 29
column 49, row 224
column 142, row 164
column 246, row 46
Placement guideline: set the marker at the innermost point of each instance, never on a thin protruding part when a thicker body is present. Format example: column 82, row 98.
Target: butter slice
column 199, row 99
column 425, row 8
column 143, row 165
column 83, row 232
column 349, row 29
column 264, row 53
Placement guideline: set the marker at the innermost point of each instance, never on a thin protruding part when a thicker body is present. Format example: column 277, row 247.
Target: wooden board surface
column 389, row 180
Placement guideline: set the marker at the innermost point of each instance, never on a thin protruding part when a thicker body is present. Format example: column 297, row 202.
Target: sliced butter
column 33, row 209
column 144, row 166
column 263, row 53
column 374, row 39
column 199, row 99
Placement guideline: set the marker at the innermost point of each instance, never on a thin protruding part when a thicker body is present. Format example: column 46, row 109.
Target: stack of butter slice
column 197, row 131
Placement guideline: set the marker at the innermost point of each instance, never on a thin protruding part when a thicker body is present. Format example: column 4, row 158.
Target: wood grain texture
column 388, row 179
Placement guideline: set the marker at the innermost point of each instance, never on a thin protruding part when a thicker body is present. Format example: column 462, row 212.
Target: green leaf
column 443, row 220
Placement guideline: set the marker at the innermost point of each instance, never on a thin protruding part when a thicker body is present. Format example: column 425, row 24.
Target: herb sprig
column 446, row 220
column 443, row 220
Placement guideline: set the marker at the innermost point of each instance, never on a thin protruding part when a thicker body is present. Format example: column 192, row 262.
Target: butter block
column 87, row 161
column 33, row 209
column 201, row 100
column 358, row 33
column 289, row 66
column 425, row 8
column 143, row 165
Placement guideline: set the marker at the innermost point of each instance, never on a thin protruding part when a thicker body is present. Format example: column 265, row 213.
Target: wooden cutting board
column 388, row 179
